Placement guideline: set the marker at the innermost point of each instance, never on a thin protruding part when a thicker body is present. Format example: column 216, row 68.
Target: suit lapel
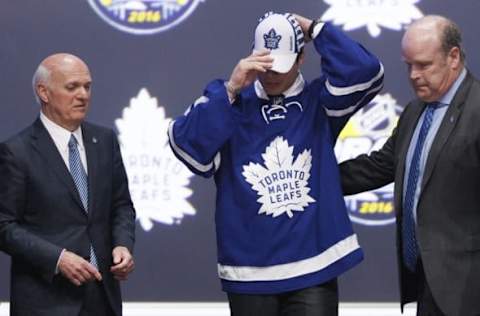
column 44, row 145
column 448, row 123
column 90, row 143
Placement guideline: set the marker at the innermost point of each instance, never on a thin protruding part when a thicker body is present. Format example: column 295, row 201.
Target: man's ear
column 454, row 56
column 301, row 57
column 42, row 92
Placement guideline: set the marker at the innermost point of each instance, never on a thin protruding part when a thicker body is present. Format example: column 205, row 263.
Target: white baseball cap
column 282, row 36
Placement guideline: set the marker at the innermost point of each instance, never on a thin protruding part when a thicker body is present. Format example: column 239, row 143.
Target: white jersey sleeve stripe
column 292, row 269
column 351, row 109
column 339, row 91
column 189, row 159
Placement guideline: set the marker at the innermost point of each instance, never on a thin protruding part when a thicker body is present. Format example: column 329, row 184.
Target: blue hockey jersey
column 281, row 220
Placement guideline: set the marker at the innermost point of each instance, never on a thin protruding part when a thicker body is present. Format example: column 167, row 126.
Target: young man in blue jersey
column 267, row 137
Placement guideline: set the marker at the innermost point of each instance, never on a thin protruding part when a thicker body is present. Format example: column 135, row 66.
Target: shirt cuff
column 231, row 100
column 58, row 261
column 317, row 28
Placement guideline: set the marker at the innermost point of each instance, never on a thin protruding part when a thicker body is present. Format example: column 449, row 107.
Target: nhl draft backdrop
column 150, row 59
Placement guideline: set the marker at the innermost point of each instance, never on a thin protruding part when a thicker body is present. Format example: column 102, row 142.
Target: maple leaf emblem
column 282, row 183
column 272, row 39
column 158, row 181
column 371, row 14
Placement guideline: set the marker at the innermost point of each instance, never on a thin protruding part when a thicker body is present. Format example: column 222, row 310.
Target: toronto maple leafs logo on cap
column 272, row 39
column 283, row 36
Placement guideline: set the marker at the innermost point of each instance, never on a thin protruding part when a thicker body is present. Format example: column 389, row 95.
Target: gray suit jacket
column 41, row 213
column 448, row 212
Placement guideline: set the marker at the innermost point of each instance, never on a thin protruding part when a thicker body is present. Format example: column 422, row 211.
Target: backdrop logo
column 144, row 16
column 372, row 14
column 366, row 131
column 158, row 182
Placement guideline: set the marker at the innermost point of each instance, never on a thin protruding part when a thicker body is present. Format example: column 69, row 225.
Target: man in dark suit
column 66, row 217
column 433, row 157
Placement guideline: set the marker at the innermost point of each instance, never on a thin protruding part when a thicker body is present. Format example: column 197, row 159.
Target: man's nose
column 83, row 93
column 414, row 74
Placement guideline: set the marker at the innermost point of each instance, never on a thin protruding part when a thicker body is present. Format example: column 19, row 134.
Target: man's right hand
column 305, row 25
column 246, row 71
column 76, row 269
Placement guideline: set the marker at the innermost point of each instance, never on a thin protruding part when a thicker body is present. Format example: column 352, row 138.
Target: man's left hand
column 122, row 263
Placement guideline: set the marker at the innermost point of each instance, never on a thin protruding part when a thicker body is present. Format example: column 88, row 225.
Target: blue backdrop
column 172, row 48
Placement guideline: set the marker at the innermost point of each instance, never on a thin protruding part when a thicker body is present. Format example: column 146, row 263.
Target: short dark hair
column 452, row 37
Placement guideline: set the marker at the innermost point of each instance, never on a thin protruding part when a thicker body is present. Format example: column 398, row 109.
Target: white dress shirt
column 61, row 137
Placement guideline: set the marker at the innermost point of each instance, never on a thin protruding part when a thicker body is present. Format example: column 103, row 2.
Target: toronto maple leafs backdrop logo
column 158, row 181
column 282, row 183
column 373, row 14
column 272, row 39
column 365, row 132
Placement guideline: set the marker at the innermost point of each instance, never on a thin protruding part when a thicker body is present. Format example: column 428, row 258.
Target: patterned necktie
column 81, row 182
column 410, row 252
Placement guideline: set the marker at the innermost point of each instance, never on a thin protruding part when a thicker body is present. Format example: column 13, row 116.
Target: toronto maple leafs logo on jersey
column 272, row 39
column 282, row 183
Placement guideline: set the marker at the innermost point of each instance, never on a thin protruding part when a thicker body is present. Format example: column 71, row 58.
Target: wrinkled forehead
column 71, row 72
column 424, row 33
column 420, row 44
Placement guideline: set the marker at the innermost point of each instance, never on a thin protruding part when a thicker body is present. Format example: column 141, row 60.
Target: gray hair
column 41, row 75
column 451, row 37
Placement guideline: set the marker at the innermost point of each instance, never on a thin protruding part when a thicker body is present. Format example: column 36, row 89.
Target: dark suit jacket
column 41, row 213
column 448, row 212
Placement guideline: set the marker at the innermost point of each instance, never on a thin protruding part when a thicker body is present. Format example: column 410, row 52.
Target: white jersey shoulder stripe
column 189, row 159
column 292, row 269
column 202, row 99
column 339, row 91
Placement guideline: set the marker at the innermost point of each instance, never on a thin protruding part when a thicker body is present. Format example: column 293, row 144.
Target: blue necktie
column 410, row 251
column 81, row 182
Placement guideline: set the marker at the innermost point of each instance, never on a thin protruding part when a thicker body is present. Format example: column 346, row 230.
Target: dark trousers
column 95, row 301
column 320, row 300
column 426, row 305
